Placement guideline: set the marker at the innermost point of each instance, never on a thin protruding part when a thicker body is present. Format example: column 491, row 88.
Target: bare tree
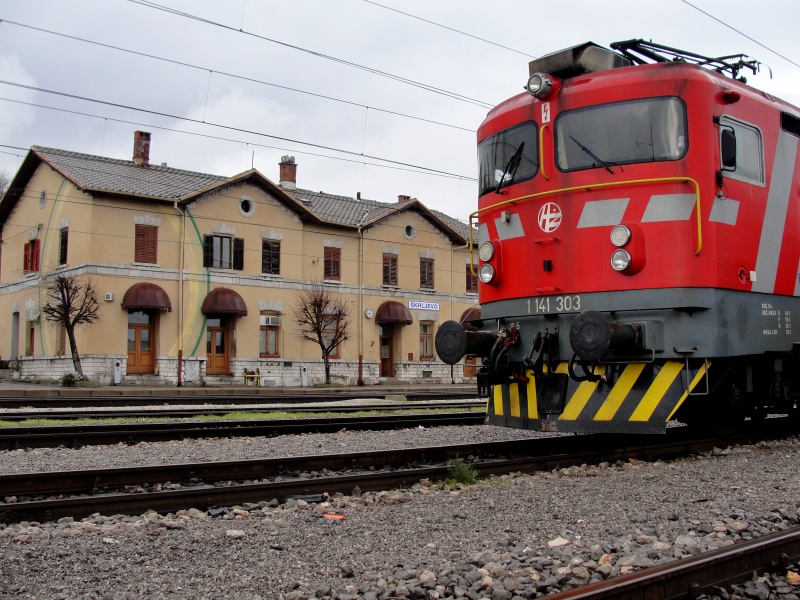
column 72, row 302
column 322, row 317
column 5, row 179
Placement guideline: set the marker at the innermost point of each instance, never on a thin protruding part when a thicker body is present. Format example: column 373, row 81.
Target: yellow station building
column 198, row 275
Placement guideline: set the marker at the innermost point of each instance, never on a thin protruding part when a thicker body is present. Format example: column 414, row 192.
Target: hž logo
column 549, row 217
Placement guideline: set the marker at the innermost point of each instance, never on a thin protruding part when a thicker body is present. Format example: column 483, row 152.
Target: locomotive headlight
column 620, row 236
column 486, row 251
column 621, row 260
column 539, row 85
column 486, row 273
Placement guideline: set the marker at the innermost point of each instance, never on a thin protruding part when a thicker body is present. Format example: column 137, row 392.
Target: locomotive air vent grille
column 621, row 61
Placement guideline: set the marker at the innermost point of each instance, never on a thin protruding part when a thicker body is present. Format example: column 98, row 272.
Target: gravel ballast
column 515, row 536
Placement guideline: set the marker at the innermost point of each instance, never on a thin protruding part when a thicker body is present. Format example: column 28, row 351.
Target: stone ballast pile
column 517, row 536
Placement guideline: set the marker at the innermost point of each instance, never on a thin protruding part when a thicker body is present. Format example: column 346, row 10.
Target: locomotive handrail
column 541, row 151
column 591, row 186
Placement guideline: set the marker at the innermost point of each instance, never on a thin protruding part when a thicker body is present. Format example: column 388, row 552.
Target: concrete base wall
column 268, row 372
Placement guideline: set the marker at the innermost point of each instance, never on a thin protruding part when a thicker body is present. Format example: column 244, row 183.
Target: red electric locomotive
column 639, row 242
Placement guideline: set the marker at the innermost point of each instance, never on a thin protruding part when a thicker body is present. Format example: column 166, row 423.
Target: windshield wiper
column 593, row 155
column 511, row 168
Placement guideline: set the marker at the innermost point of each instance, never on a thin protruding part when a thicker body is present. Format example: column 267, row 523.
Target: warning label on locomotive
column 783, row 320
column 554, row 304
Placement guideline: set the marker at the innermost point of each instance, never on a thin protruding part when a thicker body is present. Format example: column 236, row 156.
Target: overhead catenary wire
column 453, row 29
column 734, row 29
column 229, row 74
column 228, row 127
column 411, row 82
column 223, row 139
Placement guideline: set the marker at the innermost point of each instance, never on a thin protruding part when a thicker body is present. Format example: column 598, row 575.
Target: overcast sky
column 236, row 57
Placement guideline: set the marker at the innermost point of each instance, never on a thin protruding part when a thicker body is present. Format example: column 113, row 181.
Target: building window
column 29, row 339
column 247, row 208
column 390, row 269
column 748, row 163
column 146, row 244
column 269, row 335
column 426, row 340
column 270, row 257
column 472, row 280
column 333, row 259
column 222, row 252
column 329, row 331
column 426, row 273
column 61, row 340
column 30, row 258
column 62, row 247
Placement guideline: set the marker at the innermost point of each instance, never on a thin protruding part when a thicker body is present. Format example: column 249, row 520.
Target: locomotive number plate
column 554, row 304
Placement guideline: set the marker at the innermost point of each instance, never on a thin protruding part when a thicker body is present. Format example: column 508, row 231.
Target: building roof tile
column 353, row 212
column 124, row 177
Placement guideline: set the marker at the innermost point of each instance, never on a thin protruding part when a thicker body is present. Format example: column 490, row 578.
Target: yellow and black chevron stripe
column 629, row 398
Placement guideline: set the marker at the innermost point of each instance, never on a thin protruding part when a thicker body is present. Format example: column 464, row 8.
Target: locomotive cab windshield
column 497, row 154
column 647, row 130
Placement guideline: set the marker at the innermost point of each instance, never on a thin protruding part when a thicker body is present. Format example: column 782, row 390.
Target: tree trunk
column 327, row 367
column 73, row 348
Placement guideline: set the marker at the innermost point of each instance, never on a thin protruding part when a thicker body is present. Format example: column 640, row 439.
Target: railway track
column 79, row 398
column 693, row 576
column 132, row 433
column 39, row 498
column 202, row 411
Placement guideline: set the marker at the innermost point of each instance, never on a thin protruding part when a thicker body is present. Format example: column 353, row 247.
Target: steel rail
column 80, row 398
column 188, row 412
column 83, row 435
column 690, row 577
column 542, row 453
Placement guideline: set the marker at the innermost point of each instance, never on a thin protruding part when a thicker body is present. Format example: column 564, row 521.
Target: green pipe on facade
column 208, row 283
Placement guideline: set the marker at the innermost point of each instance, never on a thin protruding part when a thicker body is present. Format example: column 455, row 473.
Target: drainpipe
column 180, row 292
column 361, row 300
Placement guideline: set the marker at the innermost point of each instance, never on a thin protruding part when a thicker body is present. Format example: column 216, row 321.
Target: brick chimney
column 141, row 148
column 288, row 172
column 401, row 198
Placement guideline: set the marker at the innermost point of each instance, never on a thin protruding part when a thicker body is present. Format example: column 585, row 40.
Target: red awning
column 471, row 314
column 146, row 296
column 393, row 312
column 223, row 301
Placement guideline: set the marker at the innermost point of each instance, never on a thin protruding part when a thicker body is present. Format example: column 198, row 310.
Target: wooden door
column 217, row 350
column 140, row 349
column 470, row 366
column 387, row 358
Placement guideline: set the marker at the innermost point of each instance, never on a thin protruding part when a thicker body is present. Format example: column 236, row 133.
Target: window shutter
column 208, row 250
column 151, row 245
column 332, row 260
column 426, row 273
column 390, row 269
column 472, row 280
column 62, row 258
column 146, row 244
column 26, row 257
column 139, row 244
column 35, row 258
column 328, row 263
column 238, row 254
column 271, row 257
column 276, row 258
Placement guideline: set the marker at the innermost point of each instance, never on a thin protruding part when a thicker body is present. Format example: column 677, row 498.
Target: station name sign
column 418, row 305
